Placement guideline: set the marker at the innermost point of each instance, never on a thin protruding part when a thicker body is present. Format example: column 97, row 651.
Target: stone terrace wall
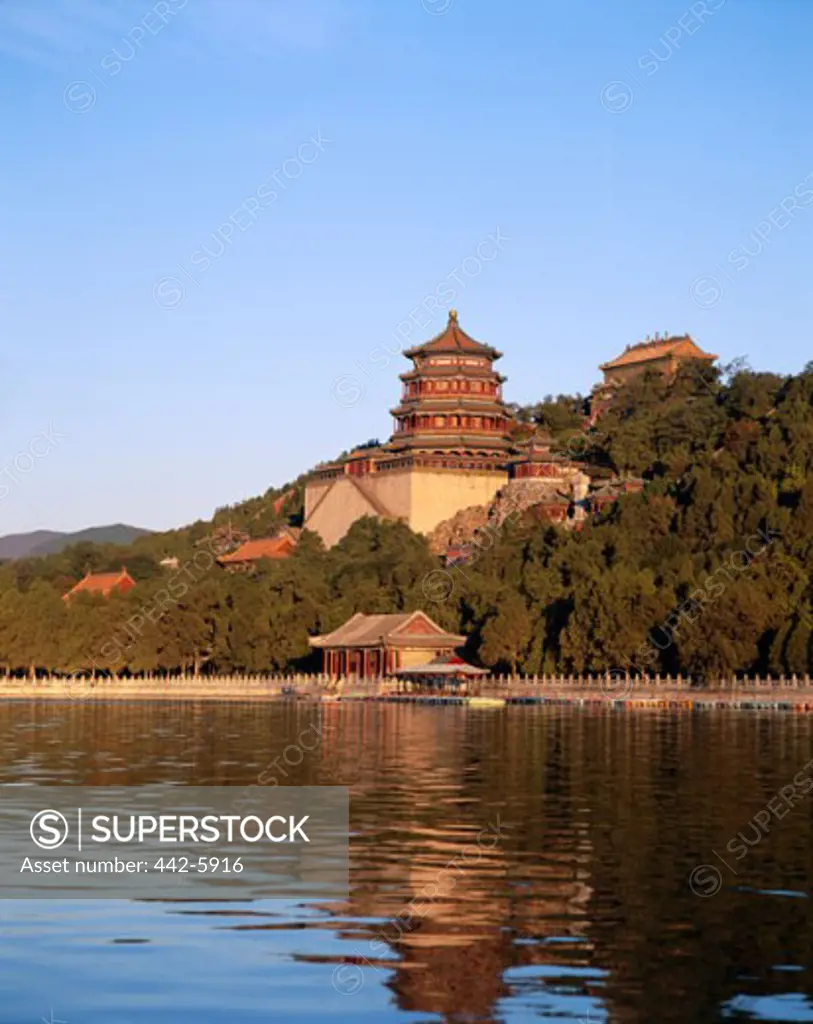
column 264, row 687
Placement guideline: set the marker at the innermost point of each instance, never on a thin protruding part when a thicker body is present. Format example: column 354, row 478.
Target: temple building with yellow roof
column 660, row 355
column 663, row 355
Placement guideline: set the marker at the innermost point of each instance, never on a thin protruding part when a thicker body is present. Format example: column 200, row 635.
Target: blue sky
column 215, row 212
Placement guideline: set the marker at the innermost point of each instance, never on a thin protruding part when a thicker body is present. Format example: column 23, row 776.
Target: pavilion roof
column 646, row 351
column 616, row 486
column 279, row 546
column 444, row 665
column 453, row 339
column 538, row 447
column 101, row 582
column 408, row 629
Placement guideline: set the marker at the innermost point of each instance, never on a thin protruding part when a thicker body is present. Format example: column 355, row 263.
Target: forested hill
column 48, row 542
column 708, row 570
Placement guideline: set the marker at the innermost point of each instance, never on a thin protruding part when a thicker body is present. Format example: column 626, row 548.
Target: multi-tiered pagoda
column 452, row 448
column 452, row 408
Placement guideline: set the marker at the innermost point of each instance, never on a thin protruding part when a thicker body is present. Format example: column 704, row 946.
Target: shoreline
column 644, row 697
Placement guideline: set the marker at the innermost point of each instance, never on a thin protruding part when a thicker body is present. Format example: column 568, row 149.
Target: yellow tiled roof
column 646, row 351
column 414, row 629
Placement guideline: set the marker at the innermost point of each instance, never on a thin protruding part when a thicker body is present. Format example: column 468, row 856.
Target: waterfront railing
column 610, row 685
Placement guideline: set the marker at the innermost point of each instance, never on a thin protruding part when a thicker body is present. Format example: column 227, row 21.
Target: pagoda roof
column 453, row 339
column 410, row 629
column 647, row 351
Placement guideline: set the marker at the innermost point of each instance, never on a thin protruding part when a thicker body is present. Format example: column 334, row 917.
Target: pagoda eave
column 451, row 372
column 415, row 441
column 475, row 408
column 486, row 351
column 495, row 455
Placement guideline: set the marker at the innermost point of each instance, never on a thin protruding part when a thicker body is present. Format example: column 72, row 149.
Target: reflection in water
column 505, row 866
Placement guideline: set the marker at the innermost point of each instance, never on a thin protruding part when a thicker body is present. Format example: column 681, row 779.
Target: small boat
column 486, row 702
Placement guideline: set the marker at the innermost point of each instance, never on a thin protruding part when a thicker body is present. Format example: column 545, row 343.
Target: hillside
column 706, row 571
column 39, row 543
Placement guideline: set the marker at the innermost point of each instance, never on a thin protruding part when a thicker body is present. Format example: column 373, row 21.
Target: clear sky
column 195, row 292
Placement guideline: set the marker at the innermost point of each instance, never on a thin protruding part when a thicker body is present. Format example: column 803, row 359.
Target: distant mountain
column 51, row 542
column 18, row 545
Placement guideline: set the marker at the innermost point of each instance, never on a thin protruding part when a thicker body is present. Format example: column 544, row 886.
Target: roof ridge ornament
column 453, row 315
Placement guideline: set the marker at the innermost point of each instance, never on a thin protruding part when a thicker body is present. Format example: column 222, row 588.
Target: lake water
column 550, row 854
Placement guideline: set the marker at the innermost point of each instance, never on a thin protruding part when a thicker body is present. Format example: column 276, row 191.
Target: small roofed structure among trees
column 245, row 557
column 103, row 583
column 662, row 355
column 441, row 672
column 608, row 493
column 374, row 645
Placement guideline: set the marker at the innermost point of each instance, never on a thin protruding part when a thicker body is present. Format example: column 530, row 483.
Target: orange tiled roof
column 102, row 583
column 453, row 339
column 645, row 351
column 263, row 547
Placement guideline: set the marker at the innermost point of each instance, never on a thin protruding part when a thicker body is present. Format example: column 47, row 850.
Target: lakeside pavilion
column 374, row 645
